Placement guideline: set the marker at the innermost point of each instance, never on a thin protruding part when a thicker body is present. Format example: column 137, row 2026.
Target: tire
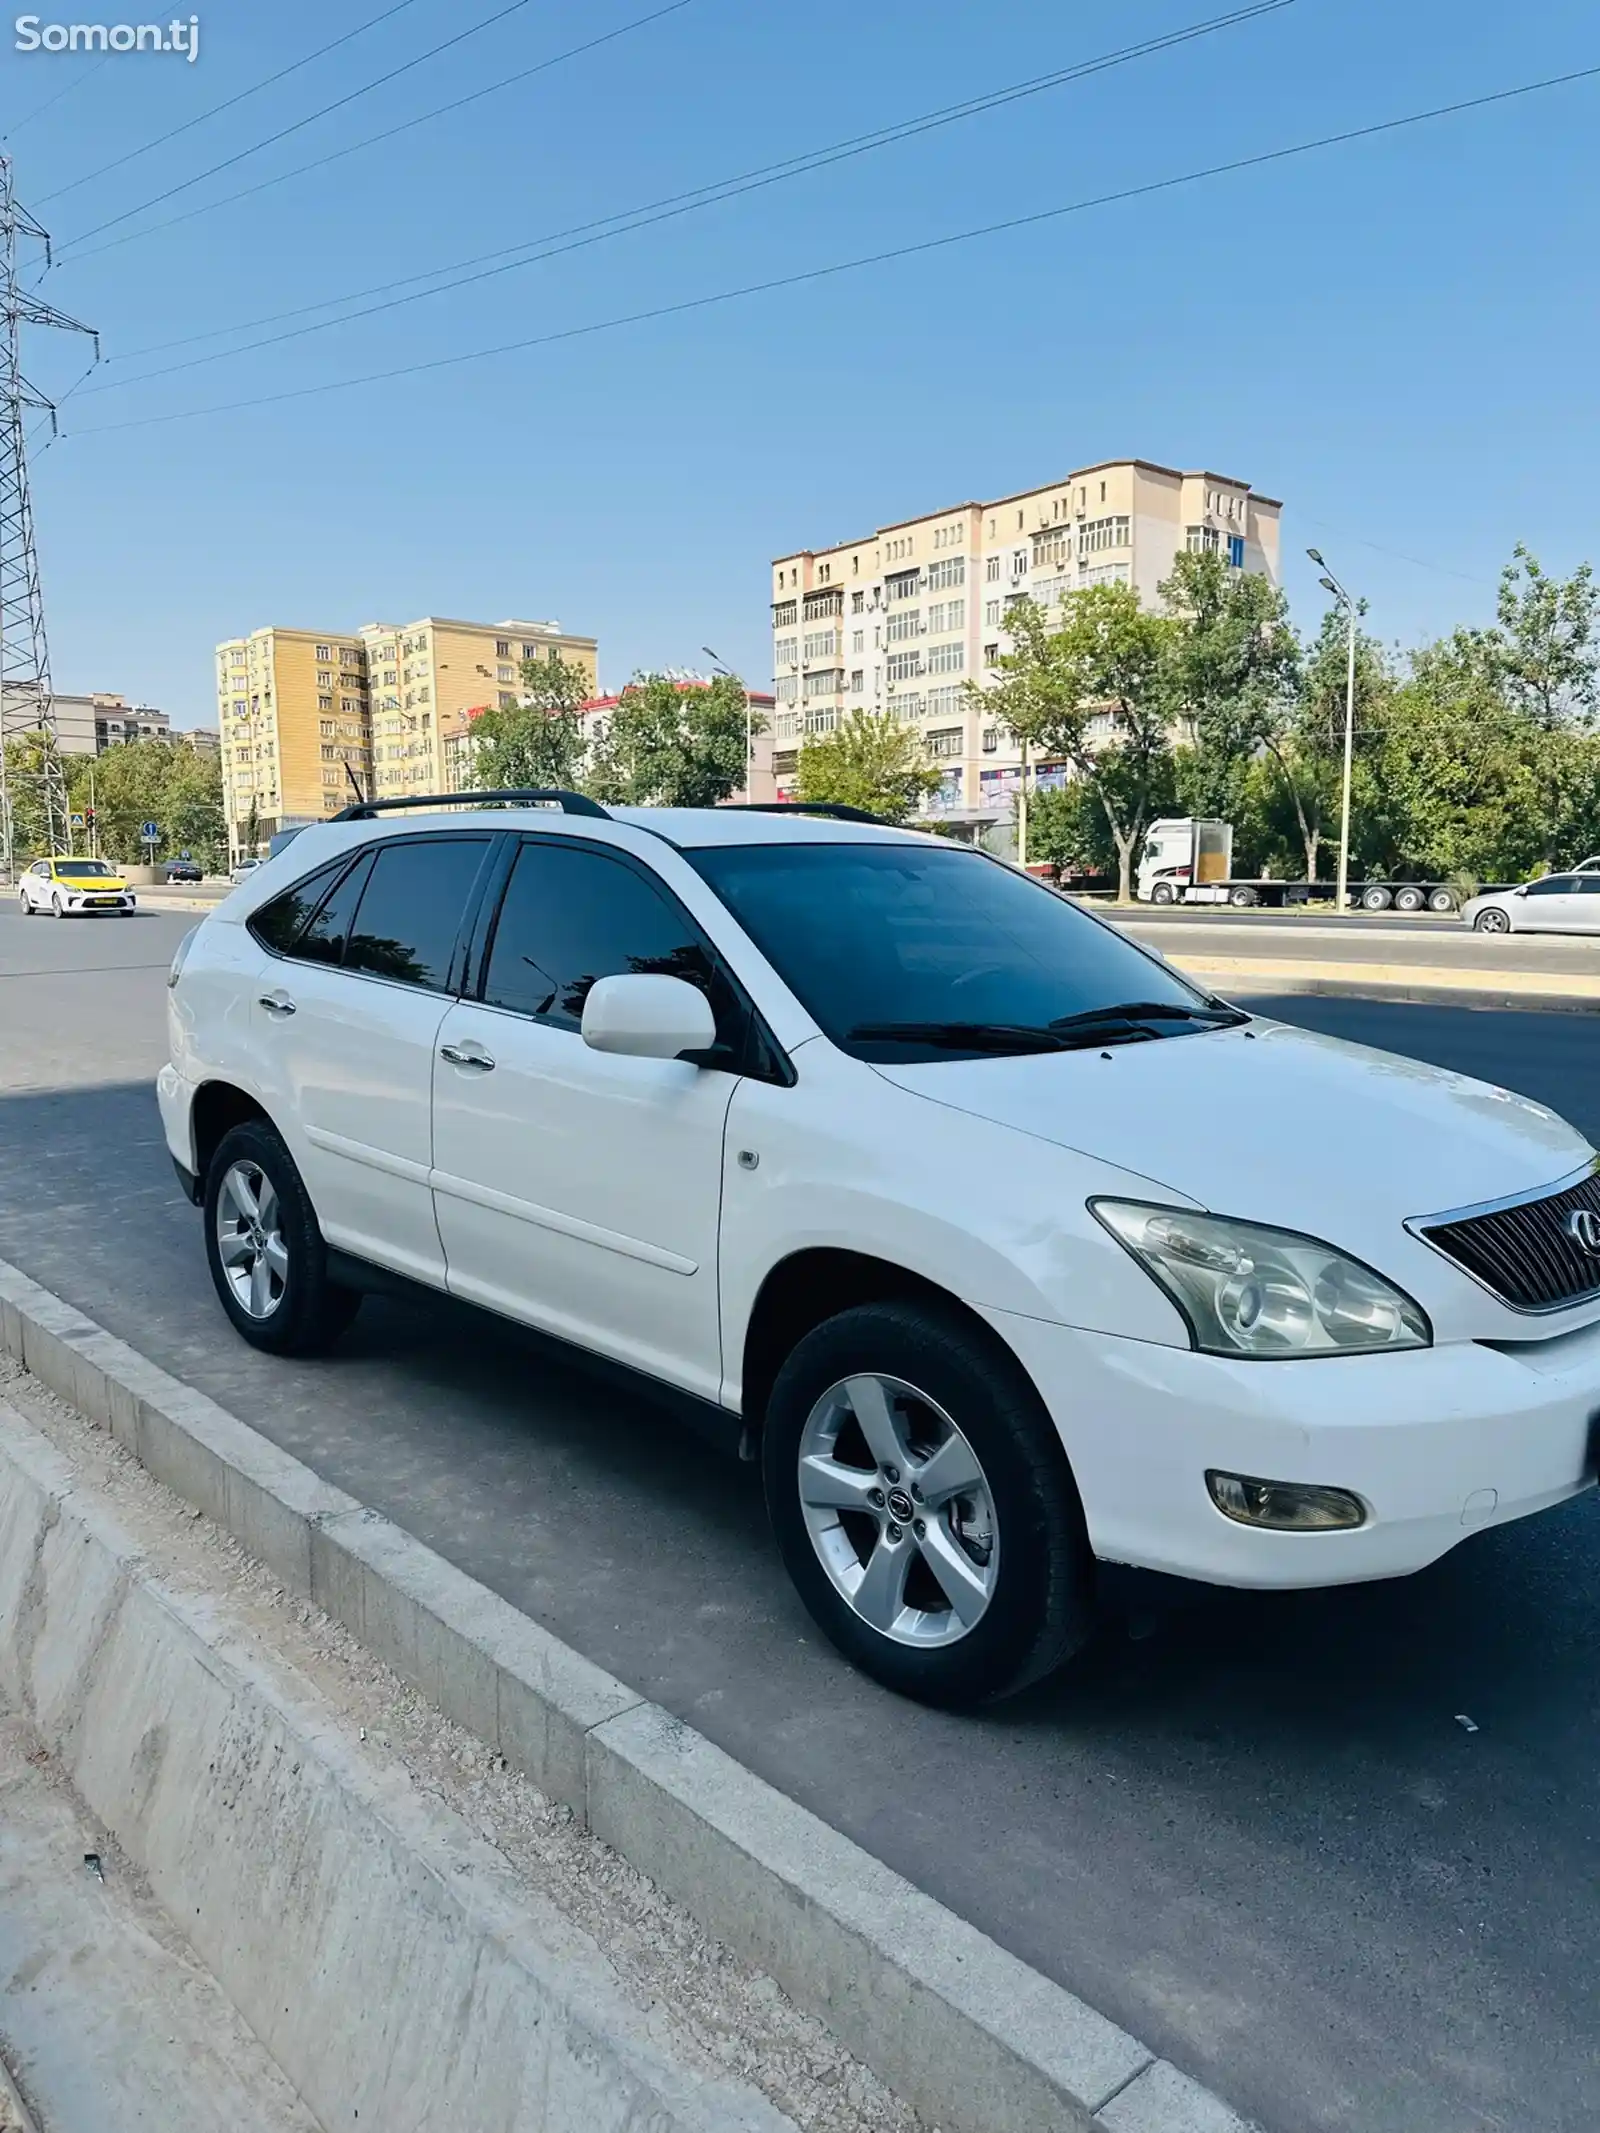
column 1441, row 900
column 27, row 906
column 1410, row 900
column 1491, row 921
column 301, row 1311
column 1162, row 893
column 945, row 1383
column 1375, row 899
column 1243, row 899
column 56, row 910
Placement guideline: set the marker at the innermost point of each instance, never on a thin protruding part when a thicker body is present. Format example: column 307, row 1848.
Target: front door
column 1551, row 905
column 577, row 1190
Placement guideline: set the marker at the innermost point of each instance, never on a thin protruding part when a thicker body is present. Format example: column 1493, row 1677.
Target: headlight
column 1249, row 1290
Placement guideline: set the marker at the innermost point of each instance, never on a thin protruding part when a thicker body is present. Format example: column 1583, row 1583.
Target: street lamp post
column 749, row 722
column 1331, row 584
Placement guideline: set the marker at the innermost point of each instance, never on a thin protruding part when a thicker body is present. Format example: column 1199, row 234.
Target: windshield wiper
column 1150, row 1011
column 963, row 1036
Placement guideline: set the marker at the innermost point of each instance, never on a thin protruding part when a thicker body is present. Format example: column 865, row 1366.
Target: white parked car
column 244, row 869
column 1559, row 903
column 1004, row 1247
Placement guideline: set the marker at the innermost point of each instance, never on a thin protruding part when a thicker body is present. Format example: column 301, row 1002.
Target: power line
column 50, row 102
column 476, row 29
column 390, row 133
column 628, row 220
column 871, row 259
column 212, row 110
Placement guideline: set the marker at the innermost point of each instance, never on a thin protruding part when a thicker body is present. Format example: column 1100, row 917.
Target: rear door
column 577, row 1190
column 353, row 993
column 1588, row 918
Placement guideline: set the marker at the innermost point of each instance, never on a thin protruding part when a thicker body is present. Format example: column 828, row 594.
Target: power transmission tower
column 33, row 787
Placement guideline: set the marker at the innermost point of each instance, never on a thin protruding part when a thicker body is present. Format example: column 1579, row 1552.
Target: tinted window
column 324, row 938
column 405, row 927
column 871, row 934
column 1557, row 885
column 1589, row 885
column 572, row 916
column 278, row 925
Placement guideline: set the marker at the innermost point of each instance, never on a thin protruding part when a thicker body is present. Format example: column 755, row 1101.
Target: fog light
column 1284, row 1506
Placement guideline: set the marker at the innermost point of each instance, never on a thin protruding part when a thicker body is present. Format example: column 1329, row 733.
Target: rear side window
column 279, row 925
column 412, row 907
column 324, row 938
column 571, row 916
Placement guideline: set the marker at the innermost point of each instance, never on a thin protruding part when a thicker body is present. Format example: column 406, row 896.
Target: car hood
column 92, row 885
column 1280, row 1125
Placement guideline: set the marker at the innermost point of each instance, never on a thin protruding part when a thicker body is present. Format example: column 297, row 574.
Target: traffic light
column 88, row 818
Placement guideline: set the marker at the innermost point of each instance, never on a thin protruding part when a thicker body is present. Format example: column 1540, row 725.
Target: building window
column 324, row 703
column 785, row 688
column 948, row 615
column 904, row 666
column 947, row 658
column 908, row 623
column 1102, row 533
column 1236, row 551
column 951, row 571
column 991, row 740
column 991, row 570
column 502, row 648
column 858, row 603
column 504, row 674
column 909, row 705
column 820, row 644
column 324, row 652
column 945, row 702
column 825, row 681
column 507, row 700
column 785, row 614
column 530, row 651
column 904, row 585
column 818, row 606
column 991, row 655
column 858, row 640
column 327, row 728
column 1201, row 540
column 991, row 613
column 325, row 677
column 946, row 741
column 786, row 650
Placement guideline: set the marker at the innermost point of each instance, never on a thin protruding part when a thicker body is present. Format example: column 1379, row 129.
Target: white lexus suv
column 1004, row 1247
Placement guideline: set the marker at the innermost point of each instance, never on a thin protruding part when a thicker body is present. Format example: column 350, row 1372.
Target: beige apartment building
column 429, row 677
column 292, row 713
column 308, row 717
column 903, row 619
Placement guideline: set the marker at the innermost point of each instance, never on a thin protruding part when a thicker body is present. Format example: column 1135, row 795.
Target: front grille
column 1524, row 1252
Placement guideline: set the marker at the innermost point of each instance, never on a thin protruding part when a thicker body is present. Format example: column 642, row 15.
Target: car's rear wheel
column 924, row 1506
column 265, row 1250
column 1491, row 921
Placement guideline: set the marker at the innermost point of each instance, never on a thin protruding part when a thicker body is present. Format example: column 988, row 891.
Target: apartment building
column 292, row 713
column 903, row 619
column 429, row 678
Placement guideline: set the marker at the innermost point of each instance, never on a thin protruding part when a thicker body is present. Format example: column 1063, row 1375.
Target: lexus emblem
column 1583, row 1227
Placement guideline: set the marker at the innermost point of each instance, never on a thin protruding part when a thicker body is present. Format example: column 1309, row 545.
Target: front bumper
column 1437, row 1443
column 121, row 900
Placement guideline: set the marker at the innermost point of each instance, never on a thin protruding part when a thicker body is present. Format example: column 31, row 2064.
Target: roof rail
column 836, row 809
column 570, row 803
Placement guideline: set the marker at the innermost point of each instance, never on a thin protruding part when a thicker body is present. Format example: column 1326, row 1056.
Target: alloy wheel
column 250, row 1243
column 899, row 1511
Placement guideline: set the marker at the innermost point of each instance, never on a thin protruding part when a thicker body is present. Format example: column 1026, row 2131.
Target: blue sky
column 1397, row 337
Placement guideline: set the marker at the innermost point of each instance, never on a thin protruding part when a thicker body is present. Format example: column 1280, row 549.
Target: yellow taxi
column 64, row 886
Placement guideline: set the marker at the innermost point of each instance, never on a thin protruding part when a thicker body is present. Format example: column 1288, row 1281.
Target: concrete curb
column 385, row 1956
column 1444, row 984
column 1261, row 981
column 966, row 2033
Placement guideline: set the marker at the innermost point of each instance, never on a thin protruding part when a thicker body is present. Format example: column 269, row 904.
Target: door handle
column 277, row 1003
column 477, row 1058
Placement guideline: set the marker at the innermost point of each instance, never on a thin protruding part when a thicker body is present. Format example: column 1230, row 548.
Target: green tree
column 1234, row 672
column 1096, row 693
column 1305, row 742
column 1549, row 647
column 539, row 741
column 162, row 781
column 672, row 744
column 871, row 760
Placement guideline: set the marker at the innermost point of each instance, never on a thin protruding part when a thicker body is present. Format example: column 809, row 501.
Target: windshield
column 96, row 867
column 918, row 952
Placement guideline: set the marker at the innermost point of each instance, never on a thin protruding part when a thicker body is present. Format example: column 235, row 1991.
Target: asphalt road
column 1254, row 1831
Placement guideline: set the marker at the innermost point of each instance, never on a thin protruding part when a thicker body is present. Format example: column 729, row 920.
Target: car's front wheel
column 26, row 902
column 924, row 1506
column 57, row 909
column 265, row 1249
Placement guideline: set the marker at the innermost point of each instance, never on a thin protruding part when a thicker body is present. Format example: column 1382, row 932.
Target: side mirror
column 645, row 1017
column 1522, row 892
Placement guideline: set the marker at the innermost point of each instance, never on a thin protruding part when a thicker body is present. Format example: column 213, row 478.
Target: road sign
column 77, row 822
column 150, row 833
